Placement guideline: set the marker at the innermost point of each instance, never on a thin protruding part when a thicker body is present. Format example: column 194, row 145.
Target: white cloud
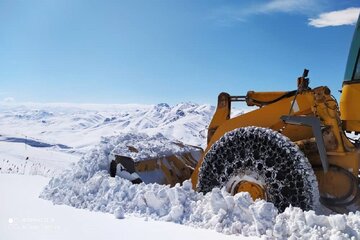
column 288, row 6
column 347, row 16
column 229, row 14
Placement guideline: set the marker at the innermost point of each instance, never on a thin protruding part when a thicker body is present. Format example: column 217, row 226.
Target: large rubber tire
column 287, row 174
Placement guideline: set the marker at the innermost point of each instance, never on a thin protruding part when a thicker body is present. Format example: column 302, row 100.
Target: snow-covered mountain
column 32, row 133
column 81, row 126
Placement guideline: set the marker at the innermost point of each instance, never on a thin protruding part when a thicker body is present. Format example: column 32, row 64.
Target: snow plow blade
column 162, row 169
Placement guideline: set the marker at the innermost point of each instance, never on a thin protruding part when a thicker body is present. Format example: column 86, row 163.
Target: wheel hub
column 255, row 190
column 247, row 183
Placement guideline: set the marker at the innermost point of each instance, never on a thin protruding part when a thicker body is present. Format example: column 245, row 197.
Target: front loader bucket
column 163, row 169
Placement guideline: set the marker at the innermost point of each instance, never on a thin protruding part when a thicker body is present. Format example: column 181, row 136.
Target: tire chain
column 285, row 170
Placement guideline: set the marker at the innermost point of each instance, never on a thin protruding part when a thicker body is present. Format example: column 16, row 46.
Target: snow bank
column 88, row 185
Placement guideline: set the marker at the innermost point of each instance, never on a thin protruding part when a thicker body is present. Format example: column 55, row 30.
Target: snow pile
column 142, row 146
column 295, row 223
column 88, row 185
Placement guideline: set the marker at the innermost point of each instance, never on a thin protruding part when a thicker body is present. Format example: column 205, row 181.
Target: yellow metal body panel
column 350, row 106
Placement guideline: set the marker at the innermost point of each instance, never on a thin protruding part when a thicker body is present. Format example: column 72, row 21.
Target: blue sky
column 172, row 51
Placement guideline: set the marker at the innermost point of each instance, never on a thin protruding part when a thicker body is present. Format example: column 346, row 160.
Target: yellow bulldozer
column 297, row 147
